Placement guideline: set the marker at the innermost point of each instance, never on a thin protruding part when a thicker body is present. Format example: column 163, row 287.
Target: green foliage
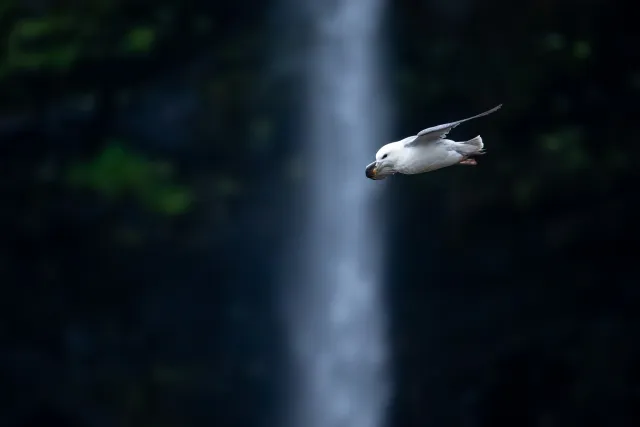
column 47, row 42
column 58, row 41
column 118, row 172
column 581, row 50
column 139, row 39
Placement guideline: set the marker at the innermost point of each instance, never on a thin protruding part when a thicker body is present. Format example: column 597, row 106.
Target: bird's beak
column 371, row 171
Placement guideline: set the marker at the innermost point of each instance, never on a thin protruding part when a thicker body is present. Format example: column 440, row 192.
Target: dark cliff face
column 147, row 170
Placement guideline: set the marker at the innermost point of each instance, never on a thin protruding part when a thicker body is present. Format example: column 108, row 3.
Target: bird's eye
column 384, row 157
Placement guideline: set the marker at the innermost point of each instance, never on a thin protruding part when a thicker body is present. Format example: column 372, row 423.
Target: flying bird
column 427, row 151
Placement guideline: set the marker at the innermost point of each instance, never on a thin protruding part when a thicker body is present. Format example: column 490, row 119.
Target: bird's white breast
column 427, row 157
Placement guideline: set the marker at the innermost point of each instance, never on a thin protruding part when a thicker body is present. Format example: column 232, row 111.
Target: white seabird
column 427, row 151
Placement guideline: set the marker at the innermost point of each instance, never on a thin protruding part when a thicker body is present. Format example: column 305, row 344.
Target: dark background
column 146, row 152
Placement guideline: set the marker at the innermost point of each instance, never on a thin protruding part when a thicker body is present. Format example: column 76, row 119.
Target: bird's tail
column 472, row 147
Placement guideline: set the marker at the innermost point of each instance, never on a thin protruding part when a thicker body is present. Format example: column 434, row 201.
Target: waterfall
column 337, row 319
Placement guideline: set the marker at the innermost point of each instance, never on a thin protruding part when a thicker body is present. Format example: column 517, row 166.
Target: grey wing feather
column 438, row 132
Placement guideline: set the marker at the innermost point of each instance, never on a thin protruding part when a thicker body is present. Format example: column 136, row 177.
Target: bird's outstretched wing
column 437, row 132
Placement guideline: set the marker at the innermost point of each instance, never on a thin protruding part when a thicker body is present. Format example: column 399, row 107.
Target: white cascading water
column 340, row 376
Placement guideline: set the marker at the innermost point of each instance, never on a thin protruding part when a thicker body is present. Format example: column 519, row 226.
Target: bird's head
column 384, row 166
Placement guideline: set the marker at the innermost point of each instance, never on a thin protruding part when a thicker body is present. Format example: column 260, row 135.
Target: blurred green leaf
column 171, row 200
column 117, row 172
column 22, row 53
column 139, row 39
column 581, row 50
column 31, row 28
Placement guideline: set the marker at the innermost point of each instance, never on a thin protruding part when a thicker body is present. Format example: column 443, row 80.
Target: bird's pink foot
column 470, row 162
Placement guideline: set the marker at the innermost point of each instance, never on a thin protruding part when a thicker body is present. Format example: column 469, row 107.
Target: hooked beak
column 371, row 171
